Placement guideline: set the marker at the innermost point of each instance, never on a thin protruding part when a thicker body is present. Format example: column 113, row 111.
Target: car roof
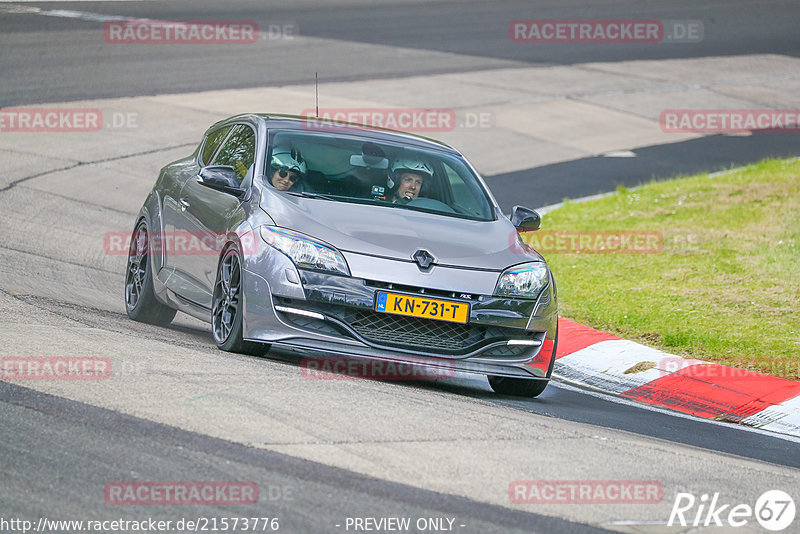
column 297, row 122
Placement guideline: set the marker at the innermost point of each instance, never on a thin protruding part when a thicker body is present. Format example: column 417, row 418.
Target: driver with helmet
column 286, row 168
column 405, row 179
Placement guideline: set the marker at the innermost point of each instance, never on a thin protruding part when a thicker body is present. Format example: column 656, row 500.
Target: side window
column 239, row 151
column 212, row 144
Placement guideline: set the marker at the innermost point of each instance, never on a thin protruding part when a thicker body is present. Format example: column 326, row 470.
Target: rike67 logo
column 774, row 510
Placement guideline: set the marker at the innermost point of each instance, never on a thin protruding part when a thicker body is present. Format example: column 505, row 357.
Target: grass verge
column 720, row 276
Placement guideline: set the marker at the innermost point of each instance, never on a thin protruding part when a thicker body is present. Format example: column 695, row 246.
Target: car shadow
column 338, row 367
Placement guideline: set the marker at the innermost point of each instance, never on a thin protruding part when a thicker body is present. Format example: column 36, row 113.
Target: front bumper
column 317, row 314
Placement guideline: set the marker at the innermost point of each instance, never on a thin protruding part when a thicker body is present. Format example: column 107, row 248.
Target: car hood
column 396, row 233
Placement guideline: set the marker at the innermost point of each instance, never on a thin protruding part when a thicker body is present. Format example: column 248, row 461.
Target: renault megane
column 334, row 239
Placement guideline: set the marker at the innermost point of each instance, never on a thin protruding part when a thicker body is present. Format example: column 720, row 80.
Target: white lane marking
column 85, row 15
column 544, row 209
column 66, row 13
column 620, row 154
column 579, row 388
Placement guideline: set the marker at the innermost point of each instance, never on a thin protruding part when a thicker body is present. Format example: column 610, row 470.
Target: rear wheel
column 140, row 300
column 227, row 310
column 519, row 387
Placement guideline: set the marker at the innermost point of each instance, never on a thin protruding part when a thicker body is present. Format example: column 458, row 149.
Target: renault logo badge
column 423, row 258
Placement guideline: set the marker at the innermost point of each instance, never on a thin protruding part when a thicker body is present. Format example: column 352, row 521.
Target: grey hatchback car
column 338, row 240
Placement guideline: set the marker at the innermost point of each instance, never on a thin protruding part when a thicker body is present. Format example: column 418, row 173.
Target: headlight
column 305, row 252
column 525, row 281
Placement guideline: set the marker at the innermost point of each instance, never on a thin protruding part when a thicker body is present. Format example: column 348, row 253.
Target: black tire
column 523, row 387
column 226, row 307
column 140, row 300
column 518, row 387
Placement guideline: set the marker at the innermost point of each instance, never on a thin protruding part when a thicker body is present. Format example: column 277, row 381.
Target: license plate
column 427, row 308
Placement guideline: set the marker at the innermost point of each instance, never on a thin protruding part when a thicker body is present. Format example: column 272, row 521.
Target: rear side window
column 213, row 141
column 239, row 151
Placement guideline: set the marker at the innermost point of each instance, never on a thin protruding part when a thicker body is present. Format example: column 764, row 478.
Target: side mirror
column 525, row 219
column 222, row 178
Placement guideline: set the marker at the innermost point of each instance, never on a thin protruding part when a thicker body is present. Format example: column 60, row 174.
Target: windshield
column 360, row 170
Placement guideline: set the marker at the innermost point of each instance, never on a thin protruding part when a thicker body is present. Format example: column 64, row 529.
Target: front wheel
column 140, row 299
column 227, row 309
column 518, row 387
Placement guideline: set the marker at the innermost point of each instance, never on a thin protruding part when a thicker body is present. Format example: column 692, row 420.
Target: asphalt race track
column 326, row 452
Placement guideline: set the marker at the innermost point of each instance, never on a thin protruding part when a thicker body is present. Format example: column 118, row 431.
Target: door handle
column 184, row 204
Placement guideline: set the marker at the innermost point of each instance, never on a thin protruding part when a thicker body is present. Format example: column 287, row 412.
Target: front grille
column 394, row 330
column 409, row 333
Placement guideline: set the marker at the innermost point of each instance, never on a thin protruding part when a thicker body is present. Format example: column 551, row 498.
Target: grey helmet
column 288, row 158
column 407, row 164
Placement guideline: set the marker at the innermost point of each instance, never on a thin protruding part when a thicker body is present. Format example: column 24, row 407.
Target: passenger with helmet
column 406, row 177
column 286, row 168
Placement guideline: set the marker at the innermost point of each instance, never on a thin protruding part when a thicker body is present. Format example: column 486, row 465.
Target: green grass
column 725, row 287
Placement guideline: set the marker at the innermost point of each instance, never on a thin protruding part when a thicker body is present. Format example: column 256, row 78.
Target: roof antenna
column 316, row 91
